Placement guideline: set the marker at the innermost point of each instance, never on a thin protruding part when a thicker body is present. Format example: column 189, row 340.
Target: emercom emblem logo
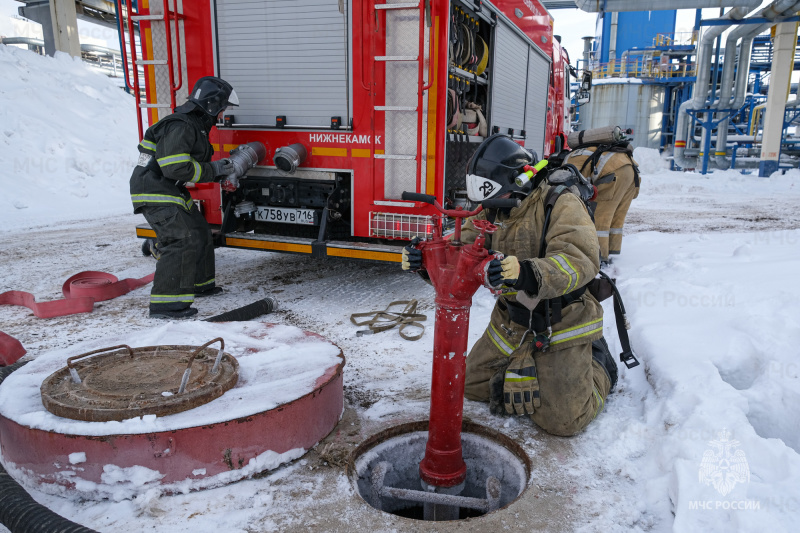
column 723, row 466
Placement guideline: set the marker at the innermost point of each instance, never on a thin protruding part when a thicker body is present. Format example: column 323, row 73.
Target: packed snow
column 703, row 436
column 67, row 140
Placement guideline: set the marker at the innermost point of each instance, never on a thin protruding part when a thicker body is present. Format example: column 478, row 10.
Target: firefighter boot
column 174, row 315
column 210, row 292
column 150, row 248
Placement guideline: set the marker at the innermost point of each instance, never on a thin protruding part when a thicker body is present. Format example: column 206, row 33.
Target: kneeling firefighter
column 543, row 353
column 176, row 151
column 606, row 159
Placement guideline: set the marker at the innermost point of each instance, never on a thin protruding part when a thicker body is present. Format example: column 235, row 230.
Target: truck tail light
column 399, row 226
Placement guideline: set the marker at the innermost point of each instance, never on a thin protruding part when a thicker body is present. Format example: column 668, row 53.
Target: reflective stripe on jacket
column 179, row 144
column 572, row 260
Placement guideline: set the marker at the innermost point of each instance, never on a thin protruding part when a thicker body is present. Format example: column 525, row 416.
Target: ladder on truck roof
column 404, row 96
column 161, row 41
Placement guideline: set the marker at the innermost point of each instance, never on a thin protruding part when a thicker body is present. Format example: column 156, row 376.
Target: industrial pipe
column 587, row 53
column 747, row 33
column 701, row 85
column 597, row 6
column 612, row 37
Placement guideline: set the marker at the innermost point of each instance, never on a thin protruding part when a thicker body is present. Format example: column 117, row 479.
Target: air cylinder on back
column 605, row 135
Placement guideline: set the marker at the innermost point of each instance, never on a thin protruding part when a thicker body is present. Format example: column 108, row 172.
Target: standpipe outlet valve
column 529, row 173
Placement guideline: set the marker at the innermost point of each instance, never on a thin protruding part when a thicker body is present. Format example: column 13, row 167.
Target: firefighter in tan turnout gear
column 543, row 352
column 612, row 169
column 174, row 152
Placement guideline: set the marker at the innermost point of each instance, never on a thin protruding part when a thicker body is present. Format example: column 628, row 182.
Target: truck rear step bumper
column 273, row 243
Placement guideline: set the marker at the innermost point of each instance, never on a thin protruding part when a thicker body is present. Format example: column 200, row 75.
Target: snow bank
column 711, row 421
column 68, row 141
column 649, row 160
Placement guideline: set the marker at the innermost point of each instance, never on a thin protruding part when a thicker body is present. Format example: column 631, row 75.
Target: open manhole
column 385, row 472
column 120, row 382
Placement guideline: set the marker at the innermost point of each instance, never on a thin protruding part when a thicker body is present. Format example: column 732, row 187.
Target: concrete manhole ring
column 486, row 452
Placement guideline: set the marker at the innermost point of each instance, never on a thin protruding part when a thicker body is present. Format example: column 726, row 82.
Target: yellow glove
column 510, row 270
column 501, row 272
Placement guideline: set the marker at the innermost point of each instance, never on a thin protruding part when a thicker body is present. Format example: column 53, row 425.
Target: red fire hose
column 80, row 291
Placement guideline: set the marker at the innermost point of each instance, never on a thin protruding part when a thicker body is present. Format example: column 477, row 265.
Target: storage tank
column 627, row 103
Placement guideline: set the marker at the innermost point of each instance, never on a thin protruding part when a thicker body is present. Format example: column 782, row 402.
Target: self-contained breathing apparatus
column 494, row 171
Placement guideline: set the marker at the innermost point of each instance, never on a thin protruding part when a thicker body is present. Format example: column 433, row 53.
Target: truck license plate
column 286, row 215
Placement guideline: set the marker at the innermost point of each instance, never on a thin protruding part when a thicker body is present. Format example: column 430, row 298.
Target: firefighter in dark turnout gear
column 175, row 151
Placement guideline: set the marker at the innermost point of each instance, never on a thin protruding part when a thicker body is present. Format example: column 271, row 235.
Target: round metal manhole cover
column 121, row 382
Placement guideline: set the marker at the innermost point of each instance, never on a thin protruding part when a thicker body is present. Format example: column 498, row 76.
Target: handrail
column 121, row 30
column 421, row 86
column 170, row 68
column 134, row 66
column 177, row 87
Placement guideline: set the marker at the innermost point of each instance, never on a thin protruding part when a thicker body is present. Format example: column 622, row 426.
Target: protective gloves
column 503, row 271
column 496, row 385
column 521, row 384
column 223, row 167
column 412, row 258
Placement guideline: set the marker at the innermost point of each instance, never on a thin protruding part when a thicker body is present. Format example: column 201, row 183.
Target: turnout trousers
column 186, row 263
column 613, row 201
column 573, row 386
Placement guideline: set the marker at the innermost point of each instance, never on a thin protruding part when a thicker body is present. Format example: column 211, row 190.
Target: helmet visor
column 233, row 100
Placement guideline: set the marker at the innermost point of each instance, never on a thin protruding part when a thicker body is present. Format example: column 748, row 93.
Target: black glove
column 494, row 273
column 496, row 384
column 502, row 271
column 412, row 258
column 223, row 167
column 527, row 279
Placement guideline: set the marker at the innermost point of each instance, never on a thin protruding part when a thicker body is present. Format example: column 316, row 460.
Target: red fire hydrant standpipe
column 456, row 271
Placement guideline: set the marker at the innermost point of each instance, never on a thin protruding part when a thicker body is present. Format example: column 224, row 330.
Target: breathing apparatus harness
column 620, row 147
column 565, row 179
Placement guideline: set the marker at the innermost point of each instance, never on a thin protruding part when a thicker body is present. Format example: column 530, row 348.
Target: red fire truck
column 360, row 99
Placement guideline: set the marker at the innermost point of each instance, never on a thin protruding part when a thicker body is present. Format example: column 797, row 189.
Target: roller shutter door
column 509, row 80
column 285, row 58
column 536, row 101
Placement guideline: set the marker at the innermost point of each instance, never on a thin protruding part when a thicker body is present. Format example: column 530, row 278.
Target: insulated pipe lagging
column 18, row 511
column 747, row 33
column 701, row 85
column 595, row 6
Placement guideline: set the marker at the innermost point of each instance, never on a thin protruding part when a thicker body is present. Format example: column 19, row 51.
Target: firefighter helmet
column 212, row 95
column 494, row 166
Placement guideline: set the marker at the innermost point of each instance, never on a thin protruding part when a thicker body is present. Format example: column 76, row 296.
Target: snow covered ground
column 708, row 272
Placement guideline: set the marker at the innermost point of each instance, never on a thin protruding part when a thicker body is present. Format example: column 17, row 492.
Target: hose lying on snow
column 18, row 511
column 248, row 312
